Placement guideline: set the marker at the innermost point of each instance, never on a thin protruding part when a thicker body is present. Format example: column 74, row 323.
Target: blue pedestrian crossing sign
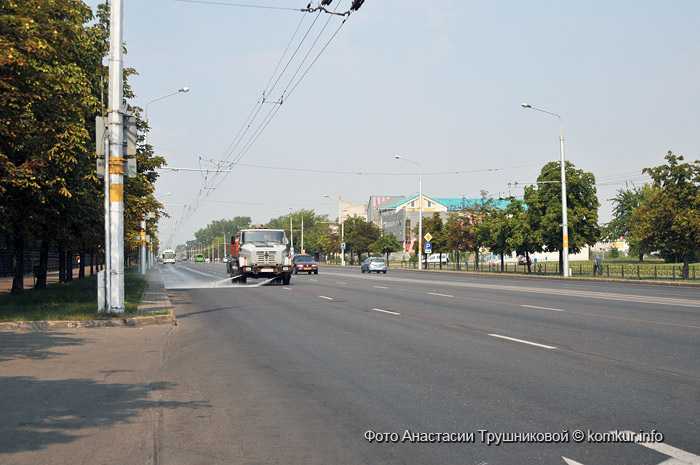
column 428, row 247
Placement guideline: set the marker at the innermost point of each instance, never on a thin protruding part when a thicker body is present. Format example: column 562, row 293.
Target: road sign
column 427, row 237
column 428, row 247
column 342, row 246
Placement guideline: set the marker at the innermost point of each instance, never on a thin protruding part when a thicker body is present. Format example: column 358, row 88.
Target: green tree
column 458, row 233
column 315, row 229
column 522, row 239
column 217, row 232
column 474, row 232
column 670, row 220
column 434, row 225
column 544, row 209
column 386, row 244
column 497, row 226
column 626, row 202
column 45, row 98
column 360, row 235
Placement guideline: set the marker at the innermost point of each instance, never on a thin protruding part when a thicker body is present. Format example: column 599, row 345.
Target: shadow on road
column 35, row 345
column 37, row 413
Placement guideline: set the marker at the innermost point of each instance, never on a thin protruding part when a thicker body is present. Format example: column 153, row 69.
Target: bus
column 169, row 256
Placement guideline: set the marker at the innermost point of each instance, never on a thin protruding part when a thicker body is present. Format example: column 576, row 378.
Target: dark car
column 371, row 264
column 304, row 263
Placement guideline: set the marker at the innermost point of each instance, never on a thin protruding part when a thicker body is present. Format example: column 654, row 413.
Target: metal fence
column 622, row 271
column 31, row 259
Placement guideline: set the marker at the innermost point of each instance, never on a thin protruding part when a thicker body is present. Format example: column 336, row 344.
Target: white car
column 437, row 258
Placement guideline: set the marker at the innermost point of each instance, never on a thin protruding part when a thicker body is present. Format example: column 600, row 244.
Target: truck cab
column 260, row 253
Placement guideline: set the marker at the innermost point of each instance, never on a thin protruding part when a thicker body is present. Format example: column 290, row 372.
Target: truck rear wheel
column 286, row 278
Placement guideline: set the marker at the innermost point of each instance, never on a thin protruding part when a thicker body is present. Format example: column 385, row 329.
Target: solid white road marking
column 571, row 462
column 543, row 308
column 380, row 287
column 385, row 311
column 440, row 295
column 681, row 456
column 314, row 280
column 287, row 288
column 340, row 282
column 327, row 298
column 522, row 341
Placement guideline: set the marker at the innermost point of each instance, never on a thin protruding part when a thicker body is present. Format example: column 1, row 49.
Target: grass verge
column 76, row 300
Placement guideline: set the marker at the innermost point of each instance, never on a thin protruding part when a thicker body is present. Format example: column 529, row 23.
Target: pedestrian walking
column 597, row 269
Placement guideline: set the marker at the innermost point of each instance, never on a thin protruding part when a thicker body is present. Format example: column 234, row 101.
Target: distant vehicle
column 199, row 257
column 207, row 260
column 371, row 264
column 168, row 257
column 224, row 260
column 304, row 263
column 524, row 261
column 437, row 258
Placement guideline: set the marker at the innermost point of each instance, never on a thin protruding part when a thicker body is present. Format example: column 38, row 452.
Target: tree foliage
column 386, row 244
column 545, row 211
column 522, row 238
column 51, row 79
column 670, row 219
column 625, row 204
column 360, row 235
column 47, row 58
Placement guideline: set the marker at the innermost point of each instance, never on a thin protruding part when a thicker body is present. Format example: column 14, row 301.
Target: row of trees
column 662, row 217
column 52, row 78
column 523, row 226
column 320, row 234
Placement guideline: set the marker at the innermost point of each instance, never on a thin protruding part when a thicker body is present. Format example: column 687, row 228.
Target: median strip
column 522, row 341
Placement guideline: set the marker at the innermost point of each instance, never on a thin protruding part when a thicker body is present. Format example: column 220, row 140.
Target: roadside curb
column 154, row 299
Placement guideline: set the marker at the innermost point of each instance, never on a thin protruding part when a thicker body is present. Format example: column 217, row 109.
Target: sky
column 437, row 82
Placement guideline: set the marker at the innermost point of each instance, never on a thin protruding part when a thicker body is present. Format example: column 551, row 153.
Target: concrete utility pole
column 114, row 160
column 143, row 266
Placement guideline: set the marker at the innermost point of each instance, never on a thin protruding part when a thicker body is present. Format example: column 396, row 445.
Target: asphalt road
column 301, row 373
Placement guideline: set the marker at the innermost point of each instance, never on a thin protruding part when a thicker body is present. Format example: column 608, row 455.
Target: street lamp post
column 564, row 213
column 183, row 90
column 420, row 209
column 342, row 233
column 291, row 234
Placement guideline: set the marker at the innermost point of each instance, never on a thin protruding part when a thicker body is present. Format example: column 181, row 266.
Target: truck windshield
column 263, row 235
